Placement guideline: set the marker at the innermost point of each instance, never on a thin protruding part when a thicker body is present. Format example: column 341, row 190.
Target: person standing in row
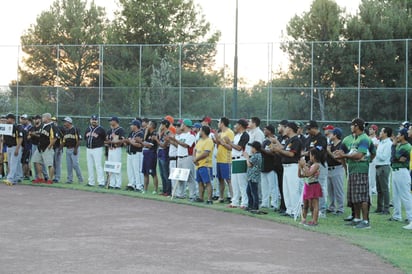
column 71, row 141
column 27, row 146
column 163, row 157
column 134, row 146
column 254, row 163
column 95, row 135
column 150, row 156
column 114, row 140
column 382, row 163
column 58, row 151
column 14, row 150
column 44, row 154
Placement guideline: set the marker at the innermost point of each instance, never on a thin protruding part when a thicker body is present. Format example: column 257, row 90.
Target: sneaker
column 391, row 219
column 311, row 223
column 69, row 182
column 408, row 226
column 363, row 225
column 48, row 182
column 117, row 188
column 322, row 215
column 101, row 186
column 154, row 192
column 209, row 202
column 349, row 218
column 130, row 188
column 353, row 222
column 26, row 178
column 55, row 181
column 89, row 185
column 7, row 182
column 198, row 200
column 38, row 181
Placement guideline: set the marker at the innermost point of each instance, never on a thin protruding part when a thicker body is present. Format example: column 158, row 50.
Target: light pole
column 234, row 104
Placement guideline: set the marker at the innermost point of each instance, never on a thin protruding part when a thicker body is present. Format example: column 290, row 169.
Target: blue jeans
column 253, row 195
column 164, row 175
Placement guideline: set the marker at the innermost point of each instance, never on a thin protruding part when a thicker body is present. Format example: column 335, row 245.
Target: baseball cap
column 312, row 124
column 136, row 123
column 165, row 122
column 94, row 117
column 256, row 145
column 406, row 124
column 271, row 128
column 404, row 132
column 188, row 122
column 358, row 122
column 283, row 122
column 374, row 127
column 24, row 116
column 114, row 118
column 170, row 119
column 207, row 119
column 36, row 117
column 338, row 132
column 293, row 126
column 197, row 125
column 300, row 124
column 10, row 116
column 53, row 118
column 328, row 127
column 242, row 122
column 172, row 129
column 68, row 119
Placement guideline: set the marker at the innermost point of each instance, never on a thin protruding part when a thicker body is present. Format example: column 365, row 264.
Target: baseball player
column 71, row 141
column 14, row 150
column 114, row 141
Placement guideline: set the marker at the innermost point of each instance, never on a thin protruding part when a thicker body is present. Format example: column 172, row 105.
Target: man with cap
column 373, row 131
column 239, row 167
column 95, row 135
column 302, row 132
column 173, row 132
column 382, row 163
column 27, row 146
column 357, row 150
column 44, row 155
column 114, row 140
column 327, row 130
column 58, row 151
column 163, row 157
column 196, row 130
column 223, row 141
column 401, row 180
column 71, row 141
column 150, row 146
column 33, row 136
column 269, row 179
column 316, row 139
column 185, row 142
column 14, row 149
column 134, row 164
column 336, row 174
column 290, row 154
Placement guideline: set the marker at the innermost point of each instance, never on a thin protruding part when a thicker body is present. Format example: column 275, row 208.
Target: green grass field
column 386, row 239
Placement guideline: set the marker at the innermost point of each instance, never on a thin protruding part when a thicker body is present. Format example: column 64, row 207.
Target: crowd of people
column 298, row 170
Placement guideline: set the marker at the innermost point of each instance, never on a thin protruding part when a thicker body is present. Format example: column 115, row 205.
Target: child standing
column 254, row 163
column 312, row 190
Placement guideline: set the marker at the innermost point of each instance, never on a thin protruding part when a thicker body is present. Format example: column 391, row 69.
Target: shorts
column 149, row 162
column 45, row 158
column 223, row 171
column 204, row 175
column 26, row 156
column 358, row 188
column 312, row 191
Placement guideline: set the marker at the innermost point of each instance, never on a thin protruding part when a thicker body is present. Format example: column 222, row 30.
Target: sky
column 261, row 23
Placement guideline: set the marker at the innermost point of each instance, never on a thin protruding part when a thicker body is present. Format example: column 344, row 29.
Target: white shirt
column 187, row 138
column 255, row 135
column 383, row 152
column 173, row 149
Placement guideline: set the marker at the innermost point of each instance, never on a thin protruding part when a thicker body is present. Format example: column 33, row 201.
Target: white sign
column 113, row 167
column 6, row 129
column 179, row 174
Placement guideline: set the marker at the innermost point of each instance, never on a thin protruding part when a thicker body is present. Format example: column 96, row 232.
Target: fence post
column 140, row 81
column 180, row 81
column 17, row 81
column 311, row 83
column 406, row 77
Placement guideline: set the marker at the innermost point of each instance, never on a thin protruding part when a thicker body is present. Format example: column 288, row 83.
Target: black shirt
column 330, row 160
column 150, row 139
column 292, row 145
column 59, row 130
column 71, row 137
column 35, row 130
column 268, row 161
column 48, row 132
column 132, row 135
column 314, row 141
column 113, row 134
column 95, row 137
column 11, row 140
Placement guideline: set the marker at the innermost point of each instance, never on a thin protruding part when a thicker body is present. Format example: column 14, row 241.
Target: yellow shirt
column 202, row 146
column 224, row 155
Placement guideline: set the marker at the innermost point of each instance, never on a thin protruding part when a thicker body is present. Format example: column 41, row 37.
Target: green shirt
column 401, row 150
column 362, row 144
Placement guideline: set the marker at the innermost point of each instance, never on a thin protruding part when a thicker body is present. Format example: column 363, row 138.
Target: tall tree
column 308, row 43
column 60, row 48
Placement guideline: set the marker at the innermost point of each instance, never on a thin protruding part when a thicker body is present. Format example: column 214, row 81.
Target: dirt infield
column 49, row 230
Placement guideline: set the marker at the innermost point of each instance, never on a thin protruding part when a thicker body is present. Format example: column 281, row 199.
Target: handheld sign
column 6, row 129
column 179, row 174
column 113, row 167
